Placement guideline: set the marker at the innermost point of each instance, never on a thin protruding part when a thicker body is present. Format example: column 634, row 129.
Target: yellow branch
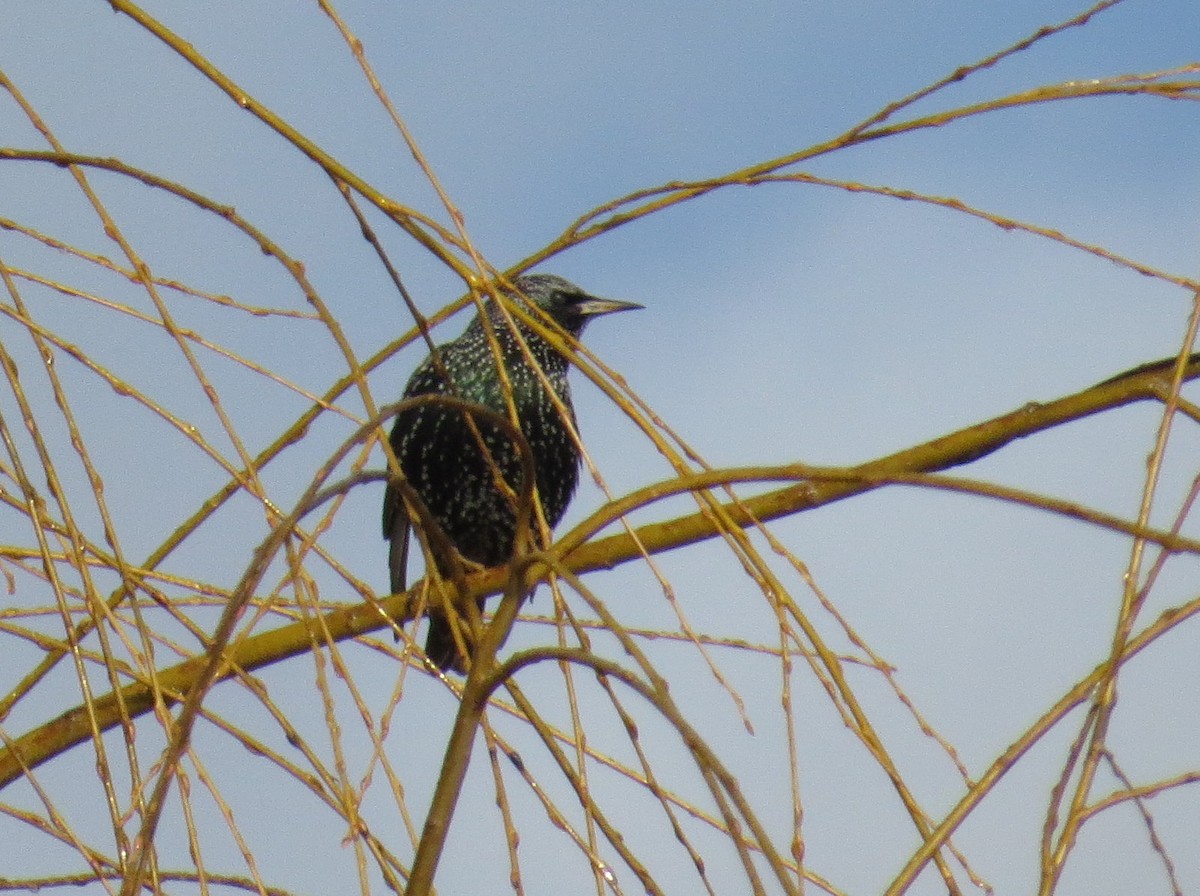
column 1149, row 381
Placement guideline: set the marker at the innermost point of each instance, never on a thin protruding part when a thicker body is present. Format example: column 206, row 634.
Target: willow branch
column 573, row 551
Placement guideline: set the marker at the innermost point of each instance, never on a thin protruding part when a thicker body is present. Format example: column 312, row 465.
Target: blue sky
column 783, row 323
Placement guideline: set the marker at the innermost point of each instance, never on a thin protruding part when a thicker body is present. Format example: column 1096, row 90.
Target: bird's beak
column 594, row 307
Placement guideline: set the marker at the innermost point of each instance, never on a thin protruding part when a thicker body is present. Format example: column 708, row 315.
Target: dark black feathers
column 441, row 457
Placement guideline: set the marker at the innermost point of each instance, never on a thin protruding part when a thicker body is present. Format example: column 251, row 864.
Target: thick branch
column 72, row 727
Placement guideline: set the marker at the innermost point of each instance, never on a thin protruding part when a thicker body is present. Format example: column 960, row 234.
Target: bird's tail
column 441, row 648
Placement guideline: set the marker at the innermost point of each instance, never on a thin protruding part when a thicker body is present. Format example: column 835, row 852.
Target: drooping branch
column 809, row 488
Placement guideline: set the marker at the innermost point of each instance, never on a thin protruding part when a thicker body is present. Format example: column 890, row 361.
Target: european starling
column 440, row 454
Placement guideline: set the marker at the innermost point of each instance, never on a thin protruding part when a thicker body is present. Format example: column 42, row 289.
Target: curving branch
column 815, row 488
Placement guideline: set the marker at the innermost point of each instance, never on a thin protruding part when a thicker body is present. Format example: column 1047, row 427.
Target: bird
column 439, row 451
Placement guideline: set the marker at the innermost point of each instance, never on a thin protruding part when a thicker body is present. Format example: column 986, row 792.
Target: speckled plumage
column 440, row 455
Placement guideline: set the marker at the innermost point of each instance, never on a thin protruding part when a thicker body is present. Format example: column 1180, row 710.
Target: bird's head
column 569, row 305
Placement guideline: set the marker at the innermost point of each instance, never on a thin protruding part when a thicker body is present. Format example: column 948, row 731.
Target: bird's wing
column 396, row 529
column 397, row 526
